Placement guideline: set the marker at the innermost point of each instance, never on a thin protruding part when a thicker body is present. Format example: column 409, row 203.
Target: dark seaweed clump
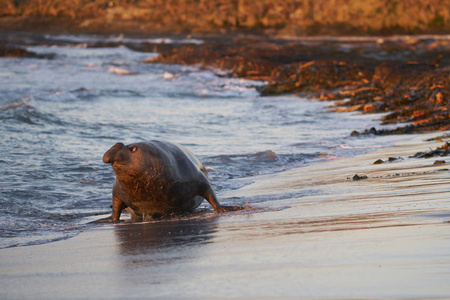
column 408, row 80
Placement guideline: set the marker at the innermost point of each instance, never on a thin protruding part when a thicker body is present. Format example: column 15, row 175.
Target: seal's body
column 157, row 178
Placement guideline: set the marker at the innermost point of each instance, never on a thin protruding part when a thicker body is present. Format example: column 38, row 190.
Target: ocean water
column 60, row 113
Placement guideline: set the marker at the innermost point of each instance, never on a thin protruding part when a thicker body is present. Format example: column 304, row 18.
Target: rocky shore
column 407, row 78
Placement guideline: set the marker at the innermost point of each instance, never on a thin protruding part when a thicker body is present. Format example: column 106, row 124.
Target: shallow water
column 59, row 115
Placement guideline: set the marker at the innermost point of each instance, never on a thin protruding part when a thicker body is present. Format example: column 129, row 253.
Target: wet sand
column 326, row 236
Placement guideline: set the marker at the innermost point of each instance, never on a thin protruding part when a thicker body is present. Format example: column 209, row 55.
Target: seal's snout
column 109, row 156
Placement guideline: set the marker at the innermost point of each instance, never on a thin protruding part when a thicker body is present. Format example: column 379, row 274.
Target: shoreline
column 326, row 237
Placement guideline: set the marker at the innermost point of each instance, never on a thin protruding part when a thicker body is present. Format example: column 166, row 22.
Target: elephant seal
column 157, row 178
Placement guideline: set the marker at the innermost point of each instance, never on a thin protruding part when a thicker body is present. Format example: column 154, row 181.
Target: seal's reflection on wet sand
column 163, row 236
column 161, row 253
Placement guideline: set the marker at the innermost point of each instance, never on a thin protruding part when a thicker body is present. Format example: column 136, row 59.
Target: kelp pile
column 406, row 79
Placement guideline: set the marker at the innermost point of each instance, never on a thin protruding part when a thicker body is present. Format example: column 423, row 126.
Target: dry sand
column 387, row 236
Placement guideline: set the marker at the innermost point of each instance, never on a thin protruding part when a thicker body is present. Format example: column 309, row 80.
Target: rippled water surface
column 61, row 113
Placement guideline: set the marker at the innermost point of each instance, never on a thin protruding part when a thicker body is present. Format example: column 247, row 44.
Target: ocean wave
column 26, row 225
column 37, row 237
column 22, row 111
column 119, row 39
column 81, row 94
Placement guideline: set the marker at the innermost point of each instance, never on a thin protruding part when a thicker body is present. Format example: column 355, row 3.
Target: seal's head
column 129, row 161
column 119, row 154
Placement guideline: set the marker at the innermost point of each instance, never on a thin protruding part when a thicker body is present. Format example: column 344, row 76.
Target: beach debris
column 372, row 130
column 446, row 146
column 359, row 177
column 438, row 138
column 390, row 159
column 439, row 151
column 378, row 162
column 444, row 150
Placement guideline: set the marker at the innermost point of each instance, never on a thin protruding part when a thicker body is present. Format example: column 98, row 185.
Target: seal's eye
column 133, row 148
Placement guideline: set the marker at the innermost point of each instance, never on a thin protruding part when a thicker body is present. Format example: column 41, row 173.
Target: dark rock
column 14, row 51
column 357, row 177
column 355, row 133
column 391, row 159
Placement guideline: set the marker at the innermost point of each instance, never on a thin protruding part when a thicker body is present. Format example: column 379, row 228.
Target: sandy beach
column 386, row 236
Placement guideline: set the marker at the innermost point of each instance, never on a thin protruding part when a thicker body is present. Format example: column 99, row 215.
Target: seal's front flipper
column 117, row 207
